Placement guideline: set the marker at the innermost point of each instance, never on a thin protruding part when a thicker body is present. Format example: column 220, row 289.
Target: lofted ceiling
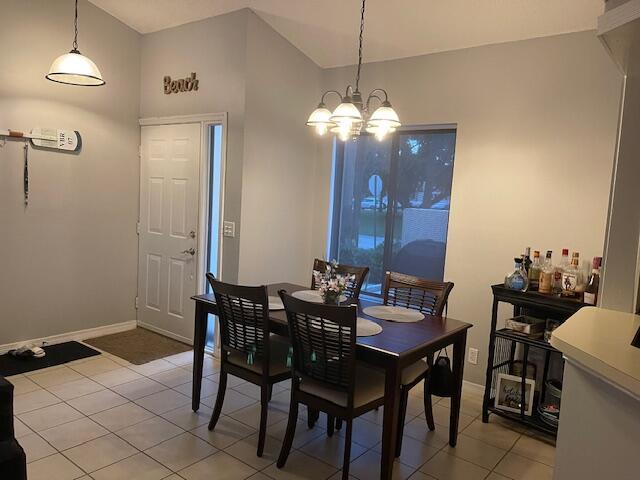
column 327, row 30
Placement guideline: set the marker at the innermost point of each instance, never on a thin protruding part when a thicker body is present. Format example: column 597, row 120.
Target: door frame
column 205, row 120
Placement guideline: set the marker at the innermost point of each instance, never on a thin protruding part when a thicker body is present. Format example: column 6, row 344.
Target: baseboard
column 473, row 387
column 166, row 333
column 78, row 335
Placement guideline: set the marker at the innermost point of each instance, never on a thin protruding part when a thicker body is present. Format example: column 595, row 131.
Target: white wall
column 536, row 136
column 69, row 259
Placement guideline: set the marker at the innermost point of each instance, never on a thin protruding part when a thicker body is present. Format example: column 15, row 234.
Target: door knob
column 191, row 251
column 192, row 234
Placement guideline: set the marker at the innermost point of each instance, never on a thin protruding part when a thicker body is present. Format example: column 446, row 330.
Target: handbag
column 441, row 381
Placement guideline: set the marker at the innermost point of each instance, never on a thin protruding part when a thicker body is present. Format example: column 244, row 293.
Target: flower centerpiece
column 331, row 284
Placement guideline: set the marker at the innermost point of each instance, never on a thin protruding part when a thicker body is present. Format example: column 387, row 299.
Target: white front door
column 167, row 259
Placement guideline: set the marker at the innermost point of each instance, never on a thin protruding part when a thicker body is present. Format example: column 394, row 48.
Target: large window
column 391, row 203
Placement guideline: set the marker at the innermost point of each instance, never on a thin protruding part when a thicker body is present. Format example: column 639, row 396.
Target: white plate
column 394, row 314
column 275, row 303
column 367, row 328
column 312, row 296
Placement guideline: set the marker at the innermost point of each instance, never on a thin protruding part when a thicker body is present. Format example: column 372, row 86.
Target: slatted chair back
column 323, row 338
column 426, row 296
column 244, row 320
column 353, row 286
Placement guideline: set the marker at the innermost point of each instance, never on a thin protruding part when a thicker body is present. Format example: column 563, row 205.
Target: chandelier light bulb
column 321, row 129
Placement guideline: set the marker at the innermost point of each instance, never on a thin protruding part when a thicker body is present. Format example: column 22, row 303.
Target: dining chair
column 248, row 350
column 353, row 286
column 430, row 298
column 326, row 375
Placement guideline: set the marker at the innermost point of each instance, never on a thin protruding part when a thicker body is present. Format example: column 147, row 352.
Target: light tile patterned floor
column 105, row 419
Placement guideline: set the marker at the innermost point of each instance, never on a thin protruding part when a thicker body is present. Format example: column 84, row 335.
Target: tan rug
column 138, row 346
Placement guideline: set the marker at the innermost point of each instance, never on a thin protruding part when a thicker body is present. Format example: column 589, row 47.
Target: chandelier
column 352, row 114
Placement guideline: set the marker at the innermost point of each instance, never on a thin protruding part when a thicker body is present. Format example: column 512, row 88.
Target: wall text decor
column 182, row 85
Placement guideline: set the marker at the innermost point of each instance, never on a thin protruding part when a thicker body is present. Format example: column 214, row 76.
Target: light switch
column 229, row 229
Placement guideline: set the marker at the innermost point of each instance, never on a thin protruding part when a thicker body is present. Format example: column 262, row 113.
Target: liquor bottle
column 526, row 259
column 557, row 276
column 534, row 271
column 547, row 273
column 572, row 277
column 591, row 291
column 518, row 280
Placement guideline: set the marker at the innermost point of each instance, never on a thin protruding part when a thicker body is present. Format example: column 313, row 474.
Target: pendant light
column 352, row 114
column 73, row 68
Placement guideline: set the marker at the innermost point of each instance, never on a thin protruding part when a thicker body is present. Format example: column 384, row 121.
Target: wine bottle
column 591, row 291
column 534, row 271
column 547, row 273
column 559, row 269
column 572, row 277
column 526, row 259
column 518, row 280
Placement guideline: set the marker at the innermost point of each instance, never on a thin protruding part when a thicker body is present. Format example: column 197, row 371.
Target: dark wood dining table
column 396, row 347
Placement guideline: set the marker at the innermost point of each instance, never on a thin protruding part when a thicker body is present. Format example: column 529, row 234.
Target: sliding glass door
column 391, row 203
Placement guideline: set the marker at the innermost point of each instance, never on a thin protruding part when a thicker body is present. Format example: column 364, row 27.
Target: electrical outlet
column 473, row 356
column 228, row 229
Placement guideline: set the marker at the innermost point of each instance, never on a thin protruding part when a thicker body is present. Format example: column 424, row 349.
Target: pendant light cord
column 359, row 45
column 75, row 26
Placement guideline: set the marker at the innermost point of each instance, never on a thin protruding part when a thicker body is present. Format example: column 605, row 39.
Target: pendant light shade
column 384, row 120
column 346, row 112
column 73, row 68
column 320, row 118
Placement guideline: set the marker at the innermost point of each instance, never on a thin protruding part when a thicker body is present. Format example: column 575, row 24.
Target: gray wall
column 265, row 84
column 215, row 48
column 279, row 153
column 536, row 136
column 69, row 259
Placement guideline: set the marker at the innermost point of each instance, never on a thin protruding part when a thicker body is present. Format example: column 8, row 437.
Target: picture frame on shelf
column 509, row 393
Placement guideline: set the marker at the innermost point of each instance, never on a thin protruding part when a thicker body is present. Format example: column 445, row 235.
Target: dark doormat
column 55, row 355
column 138, row 346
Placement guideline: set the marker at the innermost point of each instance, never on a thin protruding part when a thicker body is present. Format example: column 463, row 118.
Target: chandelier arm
column 371, row 96
column 328, row 92
column 386, row 97
column 360, row 45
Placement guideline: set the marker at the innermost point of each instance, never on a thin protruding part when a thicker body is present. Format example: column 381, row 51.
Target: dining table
column 395, row 348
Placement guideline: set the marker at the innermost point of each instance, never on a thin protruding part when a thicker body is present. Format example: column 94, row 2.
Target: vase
column 331, row 298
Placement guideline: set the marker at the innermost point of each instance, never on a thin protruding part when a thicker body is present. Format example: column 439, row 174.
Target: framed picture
column 509, row 393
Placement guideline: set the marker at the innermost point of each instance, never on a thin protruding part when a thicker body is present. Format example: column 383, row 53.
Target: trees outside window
column 391, row 203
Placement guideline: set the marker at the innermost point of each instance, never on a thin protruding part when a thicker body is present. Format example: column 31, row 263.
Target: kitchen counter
column 599, row 430
column 600, row 340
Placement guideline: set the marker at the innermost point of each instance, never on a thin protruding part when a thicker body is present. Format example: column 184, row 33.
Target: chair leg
column 264, row 409
column 270, row 391
column 404, row 400
column 312, row 417
column 289, row 434
column 338, row 423
column 222, row 387
column 428, row 407
column 330, row 424
column 347, row 450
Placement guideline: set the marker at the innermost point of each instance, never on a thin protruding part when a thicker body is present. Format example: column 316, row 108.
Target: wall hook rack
column 52, row 138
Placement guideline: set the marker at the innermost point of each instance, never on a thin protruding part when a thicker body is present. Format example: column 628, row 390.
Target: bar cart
column 525, row 361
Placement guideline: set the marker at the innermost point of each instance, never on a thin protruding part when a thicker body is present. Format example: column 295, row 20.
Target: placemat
column 394, row 314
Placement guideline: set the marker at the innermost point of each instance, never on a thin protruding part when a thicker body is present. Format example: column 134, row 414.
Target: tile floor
column 106, row 419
